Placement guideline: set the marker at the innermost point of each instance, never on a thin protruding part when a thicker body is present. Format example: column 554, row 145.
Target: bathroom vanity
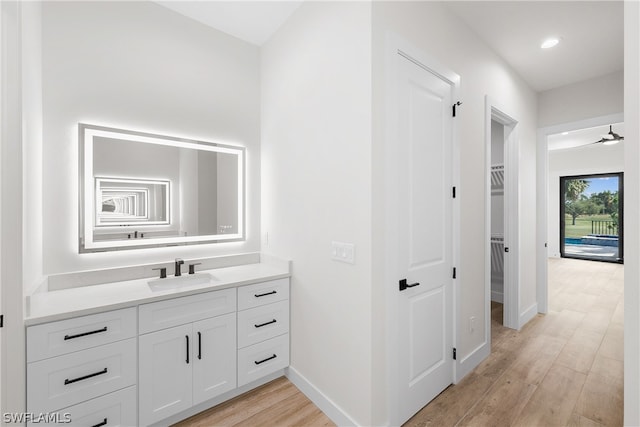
column 136, row 353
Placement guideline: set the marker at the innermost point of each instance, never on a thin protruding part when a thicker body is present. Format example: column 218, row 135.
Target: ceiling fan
column 610, row 138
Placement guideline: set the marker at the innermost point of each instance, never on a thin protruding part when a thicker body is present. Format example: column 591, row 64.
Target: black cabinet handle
column 75, row 380
column 265, row 323
column 264, row 360
column 103, row 423
column 187, row 337
column 84, row 334
column 199, row 346
column 404, row 285
column 265, row 294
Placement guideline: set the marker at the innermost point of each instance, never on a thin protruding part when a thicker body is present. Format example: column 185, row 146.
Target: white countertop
column 63, row 304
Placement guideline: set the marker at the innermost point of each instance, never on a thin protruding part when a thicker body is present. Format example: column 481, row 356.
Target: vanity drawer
column 178, row 311
column 262, row 359
column 261, row 323
column 66, row 336
column 262, row 293
column 117, row 409
column 66, row 380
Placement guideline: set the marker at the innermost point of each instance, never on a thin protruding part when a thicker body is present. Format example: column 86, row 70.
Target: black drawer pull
column 264, row 360
column 187, row 337
column 103, row 423
column 265, row 323
column 86, row 377
column 84, row 334
column 265, row 294
column 199, row 346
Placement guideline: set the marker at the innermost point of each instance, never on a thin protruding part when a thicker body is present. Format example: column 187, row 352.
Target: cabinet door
column 214, row 361
column 166, row 360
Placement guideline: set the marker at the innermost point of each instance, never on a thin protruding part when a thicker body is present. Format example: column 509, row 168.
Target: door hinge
column 454, row 192
column 454, row 353
column 454, row 272
column 457, row 104
column 1, row 320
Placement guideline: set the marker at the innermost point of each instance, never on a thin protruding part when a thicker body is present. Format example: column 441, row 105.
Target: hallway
column 563, row 368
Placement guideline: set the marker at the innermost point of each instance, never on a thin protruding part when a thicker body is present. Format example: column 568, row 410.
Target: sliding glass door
column 591, row 221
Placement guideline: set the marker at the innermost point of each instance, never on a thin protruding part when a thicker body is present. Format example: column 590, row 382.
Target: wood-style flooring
column 564, row 368
column 277, row 403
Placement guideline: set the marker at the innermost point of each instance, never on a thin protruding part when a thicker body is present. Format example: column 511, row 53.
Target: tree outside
column 583, row 207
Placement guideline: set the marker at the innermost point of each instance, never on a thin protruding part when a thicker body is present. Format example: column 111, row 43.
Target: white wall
column 590, row 159
column 316, row 187
column 596, row 97
column 139, row 66
column 632, row 213
column 12, row 262
column 432, row 28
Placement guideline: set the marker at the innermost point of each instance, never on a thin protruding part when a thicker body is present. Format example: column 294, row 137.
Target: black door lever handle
column 404, row 285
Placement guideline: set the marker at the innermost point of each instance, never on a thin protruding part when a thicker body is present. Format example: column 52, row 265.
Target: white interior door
column 424, row 211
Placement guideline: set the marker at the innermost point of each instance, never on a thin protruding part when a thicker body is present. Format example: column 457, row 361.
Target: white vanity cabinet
column 163, row 358
column 84, row 369
column 183, row 365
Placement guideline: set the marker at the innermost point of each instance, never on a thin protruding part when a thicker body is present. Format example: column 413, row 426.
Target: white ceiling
column 251, row 21
column 591, row 35
column 591, row 32
column 578, row 138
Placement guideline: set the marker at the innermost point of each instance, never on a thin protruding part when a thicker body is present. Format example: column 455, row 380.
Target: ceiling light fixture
column 549, row 43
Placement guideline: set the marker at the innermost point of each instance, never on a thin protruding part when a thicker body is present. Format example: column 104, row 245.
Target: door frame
column 396, row 45
column 542, row 212
column 511, row 314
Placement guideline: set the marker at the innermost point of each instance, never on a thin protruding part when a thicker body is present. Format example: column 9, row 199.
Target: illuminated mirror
column 141, row 190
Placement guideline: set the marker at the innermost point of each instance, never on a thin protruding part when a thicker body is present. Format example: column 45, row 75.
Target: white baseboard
column 527, row 315
column 469, row 363
column 497, row 297
column 326, row 405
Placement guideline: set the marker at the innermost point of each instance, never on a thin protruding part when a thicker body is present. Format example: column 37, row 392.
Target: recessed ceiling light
column 550, row 42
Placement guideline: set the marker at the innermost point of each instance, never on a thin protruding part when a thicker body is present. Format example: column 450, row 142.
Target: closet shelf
column 497, row 179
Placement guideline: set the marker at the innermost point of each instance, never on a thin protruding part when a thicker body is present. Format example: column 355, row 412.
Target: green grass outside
column 583, row 224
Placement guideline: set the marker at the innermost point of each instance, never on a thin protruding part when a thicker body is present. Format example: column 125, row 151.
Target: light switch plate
column 343, row 252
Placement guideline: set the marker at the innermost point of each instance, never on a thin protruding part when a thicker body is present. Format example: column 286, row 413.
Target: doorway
column 502, row 286
column 591, row 217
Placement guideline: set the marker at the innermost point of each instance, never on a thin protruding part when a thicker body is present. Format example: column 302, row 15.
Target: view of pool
column 572, row 241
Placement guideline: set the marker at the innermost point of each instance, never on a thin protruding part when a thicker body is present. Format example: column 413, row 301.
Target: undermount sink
column 181, row 281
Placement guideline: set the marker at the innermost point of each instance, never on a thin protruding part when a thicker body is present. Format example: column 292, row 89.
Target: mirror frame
column 87, row 189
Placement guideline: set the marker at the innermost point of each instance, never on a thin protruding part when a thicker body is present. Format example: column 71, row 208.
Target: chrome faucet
column 179, row 262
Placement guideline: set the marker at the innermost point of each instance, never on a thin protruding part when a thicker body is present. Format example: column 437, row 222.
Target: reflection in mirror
column 139, row 190
column 131, row 202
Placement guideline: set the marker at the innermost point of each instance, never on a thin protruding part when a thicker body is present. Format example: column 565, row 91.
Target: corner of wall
column 321, row 400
